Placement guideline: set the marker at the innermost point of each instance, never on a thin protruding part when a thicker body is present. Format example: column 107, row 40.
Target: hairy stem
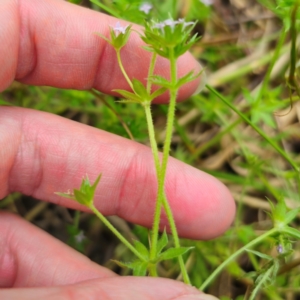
column 164, row 200
column 122, row 69
column 115, row 232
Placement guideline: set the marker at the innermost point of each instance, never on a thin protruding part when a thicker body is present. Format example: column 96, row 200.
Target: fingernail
column 202, row 83
column 197, row 297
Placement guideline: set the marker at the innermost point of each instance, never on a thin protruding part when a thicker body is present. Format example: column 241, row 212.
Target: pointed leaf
column 129, row 95
column 157, row 93
column 162, row 242
column 259, row 254
column 94, row 186
column 161, row 81
column 140, row 89
column 173, row 252
column 103, row 37
column 141, row 248
column 66, row 195
column 139, row 267
column 291, row 215
column 81, row 198
column 291, row 231
column 188, row 78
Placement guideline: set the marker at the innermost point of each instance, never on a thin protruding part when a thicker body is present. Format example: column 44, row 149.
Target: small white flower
column 185, row 24
column 79, row 237
column 170, row 23
column 146, row 7
column 207, row 2
column 119, row 29
column 160, row 25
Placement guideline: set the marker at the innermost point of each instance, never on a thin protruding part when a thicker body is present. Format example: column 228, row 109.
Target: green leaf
column 85, row 195
column 162, row 243
column 161, row 81
column 141, row 248
column 130, row 96
column 259, row 254
column 157, row 93
column 139, row 267
column 291, row 215
column 140, row 89
column 173, row 252
column 188, row 78
column 291, row 231
column 94, row 186
column 81, row 197
column 65, row 195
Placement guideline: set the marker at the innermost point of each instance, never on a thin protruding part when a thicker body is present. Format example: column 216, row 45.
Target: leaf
column 161, row 81
column 140, row 89
column 157, row 93
column 66, row 195
column 291, row 231
column 291, row 215
column 162, row 243
column 94, row 186
column 128, row 95
column 173, row 252
column 139, row 267
column 81, row 198
column 188, row 78
column 141, row 248
column 259, row 254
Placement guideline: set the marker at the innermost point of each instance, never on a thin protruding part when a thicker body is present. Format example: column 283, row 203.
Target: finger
column 29, row 257
column 121, row 288
column 45, row 154
column 53, row 42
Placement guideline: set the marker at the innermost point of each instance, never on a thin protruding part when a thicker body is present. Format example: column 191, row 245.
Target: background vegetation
column 246, row 51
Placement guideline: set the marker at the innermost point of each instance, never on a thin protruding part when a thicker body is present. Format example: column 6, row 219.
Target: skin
column 51, row 42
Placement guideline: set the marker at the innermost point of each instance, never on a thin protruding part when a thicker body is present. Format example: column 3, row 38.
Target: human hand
column 51, row 42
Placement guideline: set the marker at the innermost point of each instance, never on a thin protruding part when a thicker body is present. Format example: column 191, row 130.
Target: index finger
column 52, row 42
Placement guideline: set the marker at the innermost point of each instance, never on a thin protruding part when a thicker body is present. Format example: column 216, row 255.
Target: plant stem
column 164, row 200
column 122, row 69
column 115, row 232
column 162, row 173
column 151, row 71
column 260, row 132
column 235, row 255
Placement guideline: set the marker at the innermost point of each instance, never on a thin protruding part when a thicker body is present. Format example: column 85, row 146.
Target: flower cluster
column 169, row 35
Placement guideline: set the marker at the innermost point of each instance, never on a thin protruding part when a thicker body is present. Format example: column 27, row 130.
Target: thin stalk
column 122, row 69
column 77, row 218
column 235, row 255
column 166, row 150
column 260, row 132
column 115, row 232
column 164, row 202
column 151, row 71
